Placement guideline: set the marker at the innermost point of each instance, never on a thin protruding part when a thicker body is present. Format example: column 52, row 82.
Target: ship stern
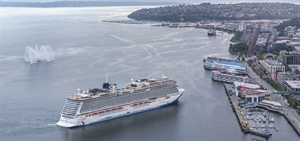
column 67, row 122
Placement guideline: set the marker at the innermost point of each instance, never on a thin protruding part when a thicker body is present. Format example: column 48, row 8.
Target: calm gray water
column 86, row 50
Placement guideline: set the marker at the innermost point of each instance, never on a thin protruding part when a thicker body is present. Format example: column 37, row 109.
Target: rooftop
column 271, row 102
column 246, row 85
column 282, row 41
column 287, row 74
column 273, row 63
column 294, row 84
column 231, row 63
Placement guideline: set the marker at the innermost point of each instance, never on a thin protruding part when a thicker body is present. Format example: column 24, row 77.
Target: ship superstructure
column 110, row 101
column 211, row 32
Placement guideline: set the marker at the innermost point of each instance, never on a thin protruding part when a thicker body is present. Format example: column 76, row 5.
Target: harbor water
column 86, row 50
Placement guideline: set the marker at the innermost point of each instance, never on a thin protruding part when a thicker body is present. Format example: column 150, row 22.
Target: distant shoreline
column 220, row 12
column 80, row 4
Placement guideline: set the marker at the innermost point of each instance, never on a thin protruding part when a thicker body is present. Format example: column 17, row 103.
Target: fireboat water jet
column 32, row 56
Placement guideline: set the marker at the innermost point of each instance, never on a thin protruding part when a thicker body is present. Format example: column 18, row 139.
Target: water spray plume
column 45, row 53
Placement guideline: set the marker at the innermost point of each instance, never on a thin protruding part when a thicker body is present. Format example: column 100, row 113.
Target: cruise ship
column 109, row 102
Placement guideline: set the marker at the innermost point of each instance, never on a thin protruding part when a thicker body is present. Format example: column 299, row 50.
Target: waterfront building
column 254, row 96
column 297, row 99
column 271, row 104
column 242, row 26
column 292, row 86
column 279, row 45
column 288, row 58
column 231, row 65
column 220, row 63
column 282, row 77
column 238, row 85
column 250, row 92
column 229, row 76
column 272, row 66
column 294, row 68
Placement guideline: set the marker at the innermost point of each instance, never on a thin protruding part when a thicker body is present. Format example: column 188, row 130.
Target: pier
column 289, row 120
column 228, row 78
column 244, row 122
column 242, row 119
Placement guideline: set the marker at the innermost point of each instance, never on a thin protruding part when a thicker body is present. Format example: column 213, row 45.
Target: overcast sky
column 180, row 1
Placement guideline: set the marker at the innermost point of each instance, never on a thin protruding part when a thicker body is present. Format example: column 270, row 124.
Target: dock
column 242, row 119
column 288, row 119
column 228, row 78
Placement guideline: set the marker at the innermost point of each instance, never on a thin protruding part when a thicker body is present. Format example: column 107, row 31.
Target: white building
column 256, row 95
column 294, row 68
column 282, row 77
column 271, row 104
column 273, row 66
column 250, row 92
column 242, row 26
column 292, row 85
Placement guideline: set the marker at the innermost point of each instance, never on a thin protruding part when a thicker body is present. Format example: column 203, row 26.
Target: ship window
column 133, row 85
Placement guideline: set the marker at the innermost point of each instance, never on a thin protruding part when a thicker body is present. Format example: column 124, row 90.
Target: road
column 289, row 111
column 254, row 37
column 272, row 37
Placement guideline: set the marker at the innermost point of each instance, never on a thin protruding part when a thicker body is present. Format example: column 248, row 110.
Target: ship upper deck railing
column 135, row 86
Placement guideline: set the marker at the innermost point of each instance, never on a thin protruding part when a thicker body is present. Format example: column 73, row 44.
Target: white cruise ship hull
column 126, row 110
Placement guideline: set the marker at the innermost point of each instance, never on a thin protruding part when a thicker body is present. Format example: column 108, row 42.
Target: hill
column 208, row 11
column 79, row 4
column 292, row 22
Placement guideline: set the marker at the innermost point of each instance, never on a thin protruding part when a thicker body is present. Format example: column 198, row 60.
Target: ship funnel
column 105, row 86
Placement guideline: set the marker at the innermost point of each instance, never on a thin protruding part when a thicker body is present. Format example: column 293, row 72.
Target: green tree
column 274, row 84
column 239, row 47
column 292, row 102
column 292, row 22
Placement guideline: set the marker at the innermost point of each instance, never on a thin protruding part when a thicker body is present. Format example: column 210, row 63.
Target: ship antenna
column 106, row 78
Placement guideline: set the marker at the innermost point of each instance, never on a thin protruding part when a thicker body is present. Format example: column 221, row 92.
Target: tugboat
column 211, row 32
